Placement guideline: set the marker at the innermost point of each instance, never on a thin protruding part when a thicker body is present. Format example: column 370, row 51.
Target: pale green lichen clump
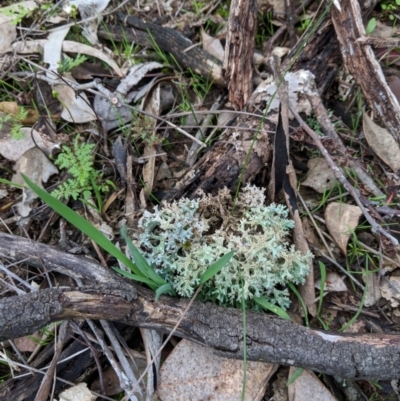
column 182, row 239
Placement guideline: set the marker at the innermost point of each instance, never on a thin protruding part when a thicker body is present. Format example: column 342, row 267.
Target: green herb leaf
column 371, row 26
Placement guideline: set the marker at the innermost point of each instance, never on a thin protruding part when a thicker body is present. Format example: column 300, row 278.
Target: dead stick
column 337, row 171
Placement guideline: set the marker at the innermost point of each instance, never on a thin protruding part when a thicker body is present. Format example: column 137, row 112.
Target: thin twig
column 337, row 171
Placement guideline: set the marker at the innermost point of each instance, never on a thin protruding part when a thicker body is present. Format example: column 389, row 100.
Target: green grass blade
column 302, row 303
column 81, row 224
column 273, row 308
column 216, row 267
column 135, row 277
column 11, row 184
column 321, row 286
column 297, row 373
column 141, row 262
column 165, row 289
column 354, row 318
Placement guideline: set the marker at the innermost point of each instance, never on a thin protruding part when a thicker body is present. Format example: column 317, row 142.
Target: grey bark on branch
column 169, row 40
column 268, row 339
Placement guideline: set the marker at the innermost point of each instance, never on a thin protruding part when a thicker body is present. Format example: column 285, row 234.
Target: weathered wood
column 168, row 40
column 320, row 55
column 363, row 66
column 269, row 339
column 239, row 155
column 239, row 49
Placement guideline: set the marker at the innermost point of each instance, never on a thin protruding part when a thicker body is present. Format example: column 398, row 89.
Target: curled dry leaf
column 68, row 46
column 8, row 29
column 38, row 168
column 193, row 372
column 341, row 219
column 80, row 392
column 88, row 10
column 14, row 109
column 77, row 108
column 390, row 290
column 320, row 176
column 382, row 143
column 373, row 292
column 333, row 283
column 212, row 46
column 12, row 149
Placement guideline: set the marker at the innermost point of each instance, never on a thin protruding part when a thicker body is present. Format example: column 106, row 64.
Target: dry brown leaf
column 12, row 149
column 390, row 290
column 13, row 108
column 382, row 143
column 320, row 176
column 333, row 283
column 26, row 344
column 308, row 387
column 212, row 46
column 151, row 104
column 37, row 167
column 373, row 292
column 80, row 392
column 68, row 46
column 193, row 372
column 76, row 109
column 8, row 33
column 341, row 219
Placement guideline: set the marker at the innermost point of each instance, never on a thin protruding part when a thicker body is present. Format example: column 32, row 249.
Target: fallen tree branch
column 269, row 339
column 363, row 66
column 339, row 174
column 168, row 40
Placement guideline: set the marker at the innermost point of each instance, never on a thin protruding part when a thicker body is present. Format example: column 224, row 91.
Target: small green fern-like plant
column 15, row 122
column 78, row 160
column 16, row 12
column 68, row 63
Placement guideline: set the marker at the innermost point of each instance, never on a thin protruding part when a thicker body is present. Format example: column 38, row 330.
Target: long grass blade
column 83, row 225
column 216, row 267
column 271, row 307
column 141, row 262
